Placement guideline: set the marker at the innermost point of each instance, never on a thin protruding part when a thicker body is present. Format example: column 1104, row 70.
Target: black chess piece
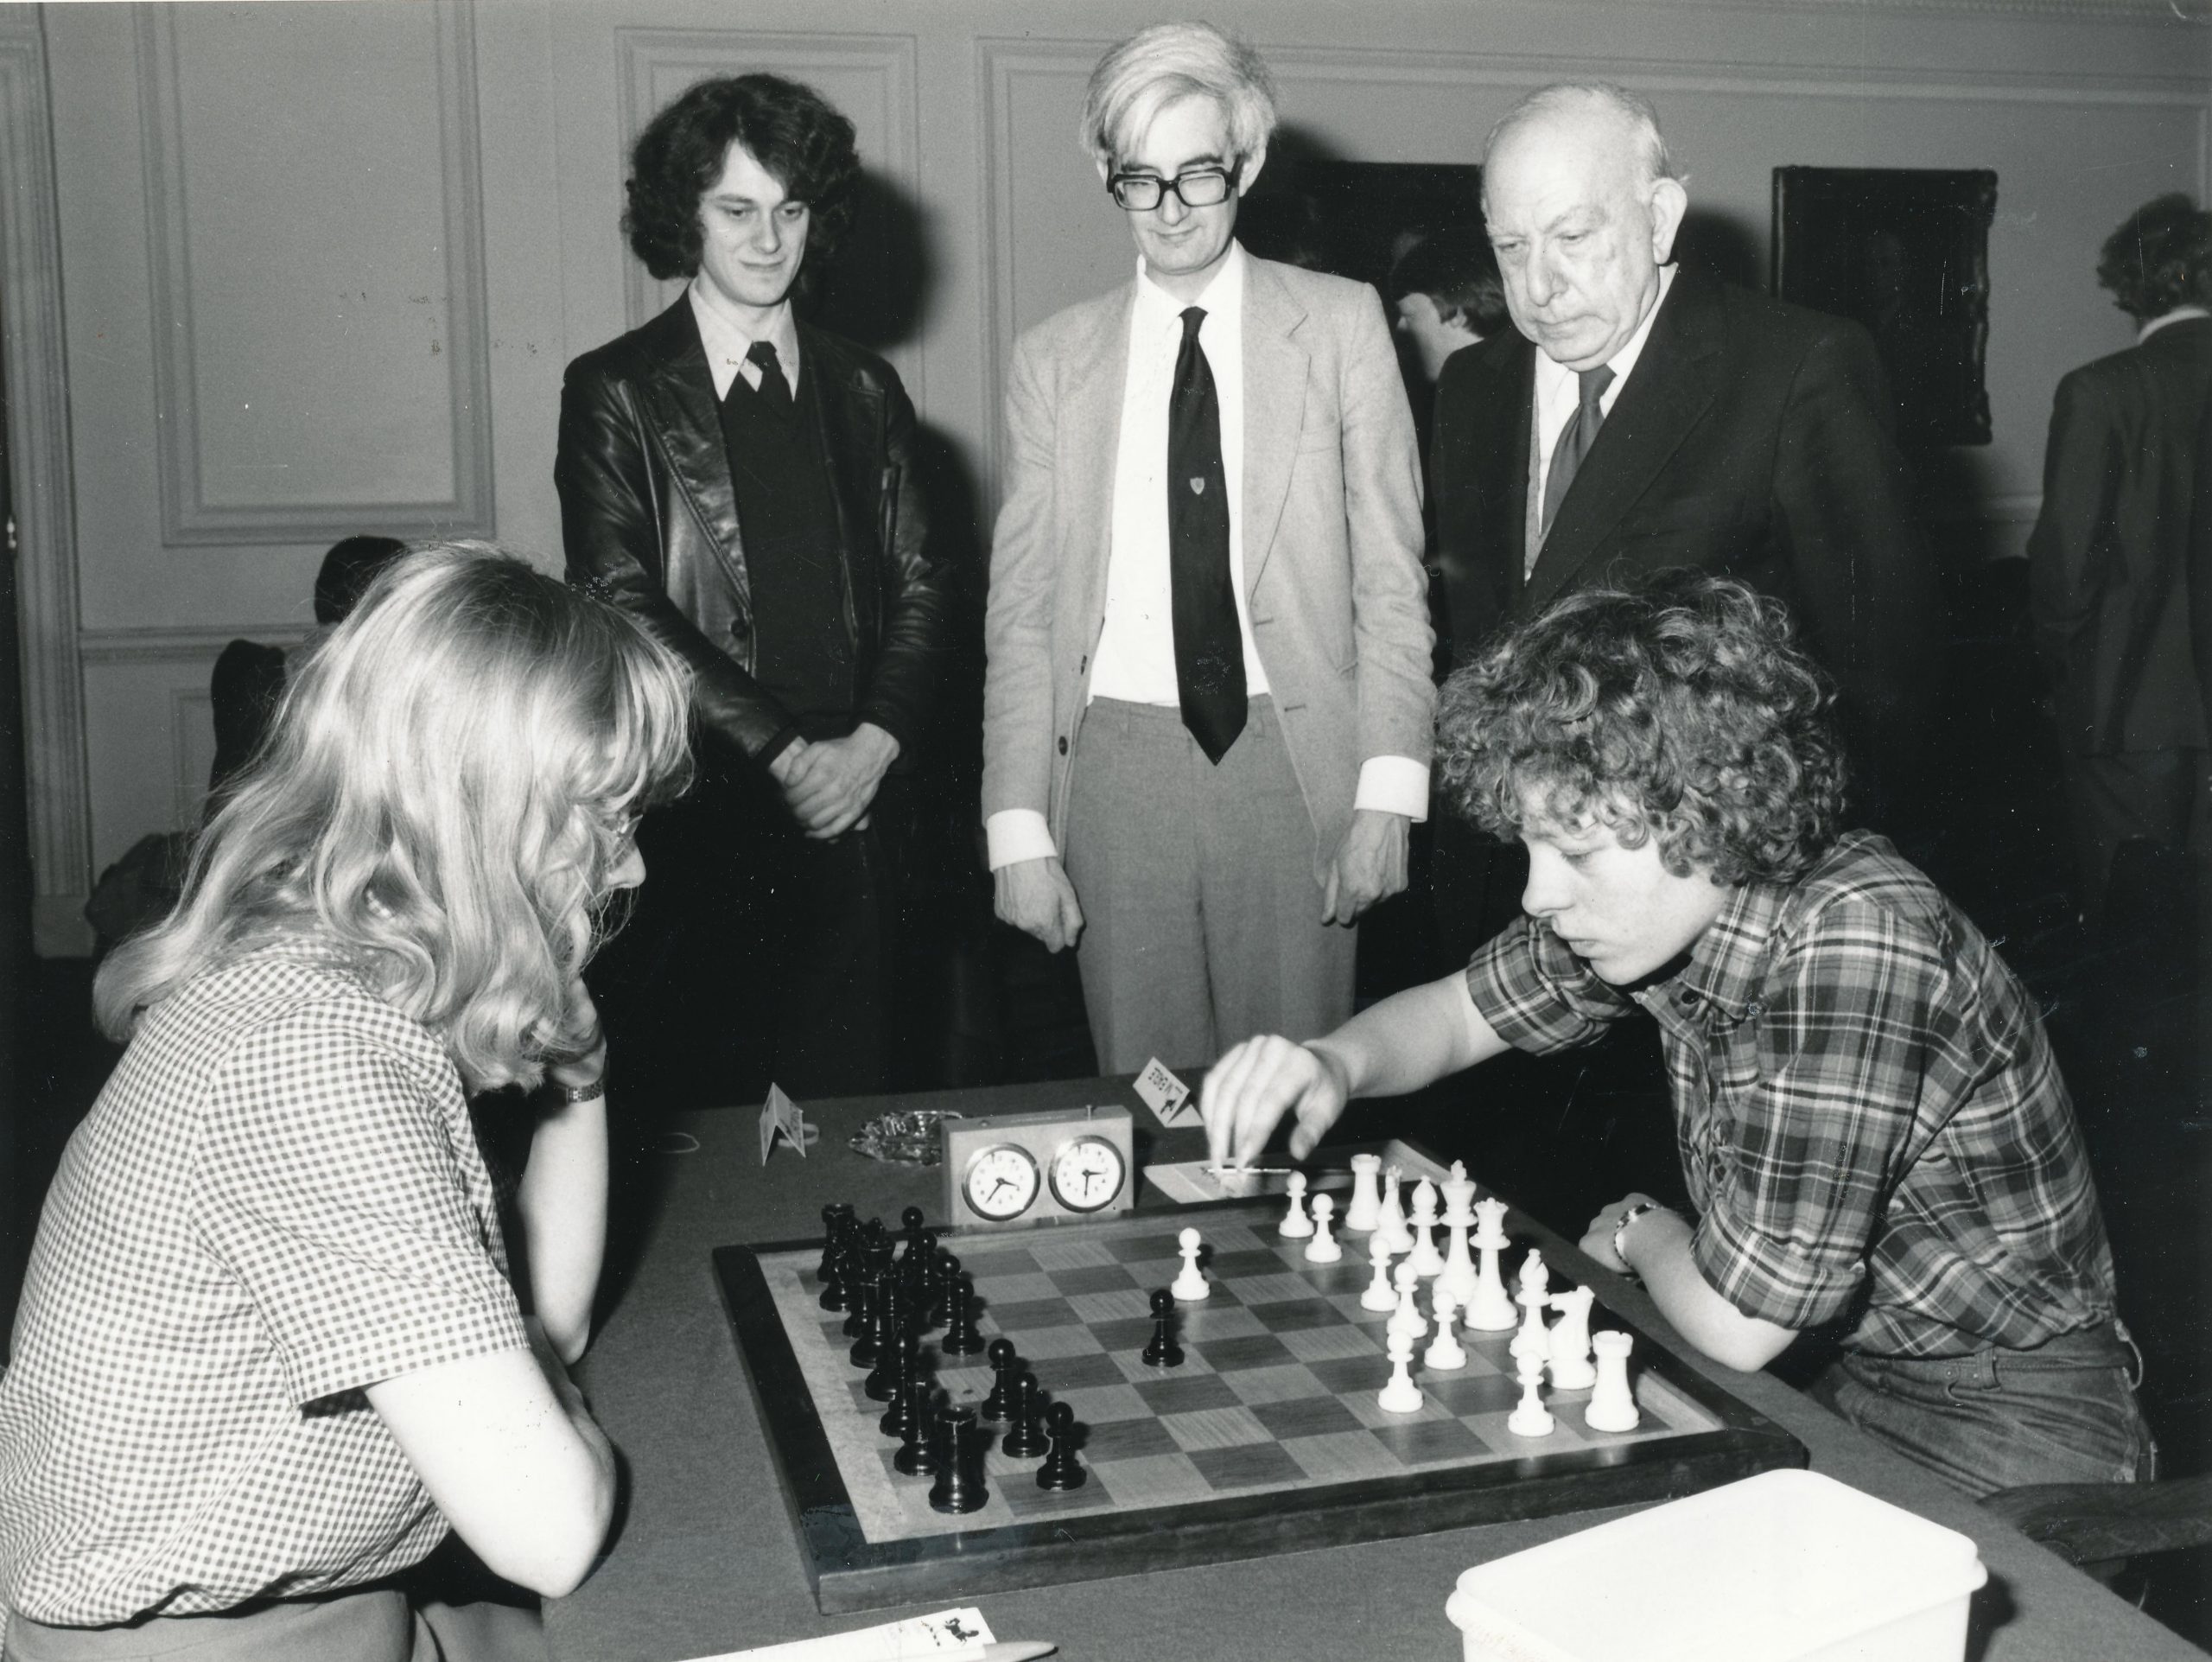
column 961, row 1336
column 860, row 1289
column 837, row 1259
column 1022, row 1439
column 910, row 1261
column 1061, row 1469
column 917, row 1455
column 896, row 1354
column 835, row 1216
column 959, row 1486
column 1000, row 1354
column 881, row 1331
column 905, row 1374
column 1163, row 1351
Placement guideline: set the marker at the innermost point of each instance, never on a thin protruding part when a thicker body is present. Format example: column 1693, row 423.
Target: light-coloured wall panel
column 315, row 255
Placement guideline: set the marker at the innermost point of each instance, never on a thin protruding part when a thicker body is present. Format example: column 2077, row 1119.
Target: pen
column 1008, row 1650
column 1271, row 1171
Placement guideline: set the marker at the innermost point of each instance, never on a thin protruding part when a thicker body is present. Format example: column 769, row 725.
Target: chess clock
column 1004, row 1169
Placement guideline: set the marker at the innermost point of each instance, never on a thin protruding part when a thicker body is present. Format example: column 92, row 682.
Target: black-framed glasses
column 1140, row 192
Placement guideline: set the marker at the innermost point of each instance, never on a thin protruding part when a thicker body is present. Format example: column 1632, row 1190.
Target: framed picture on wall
column 1906, row 253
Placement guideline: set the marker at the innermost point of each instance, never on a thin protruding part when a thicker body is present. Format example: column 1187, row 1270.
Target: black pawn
column 1163, row 1351
column 1003, row 1363
column 881, row 1330
column 860, row 1289
column 1023, row 1440
column 905, row 1374
column 895, row 1360
column 917, row 1455
column 959, row 1486
column 1061, row 1469
column 961, row 1336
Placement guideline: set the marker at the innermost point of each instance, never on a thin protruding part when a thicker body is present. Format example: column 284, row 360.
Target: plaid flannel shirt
column 276, row 1202
column 1870, row 1119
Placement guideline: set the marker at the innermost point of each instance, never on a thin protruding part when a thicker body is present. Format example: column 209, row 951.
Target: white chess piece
column 1533, row 1340
column 1490, row 1310
column 1407, row 1318
column 1401, row 1395
column 1529, row 1417
column 1570, row 1341
column 1446, row 1353
column 1323, row 1248
column 1392, row 1219
column 1190, row 1283
column 1428, row 1263
column 1380, row 1296
column 1295, row 1225
column 1366, row 1194
column 1612, row 1403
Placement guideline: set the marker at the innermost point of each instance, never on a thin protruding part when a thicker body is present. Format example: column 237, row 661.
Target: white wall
column 320, row 267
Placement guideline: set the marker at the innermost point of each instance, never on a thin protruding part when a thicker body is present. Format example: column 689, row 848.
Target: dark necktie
column 1209, row 649
column 775, row 392
column 1575, row 438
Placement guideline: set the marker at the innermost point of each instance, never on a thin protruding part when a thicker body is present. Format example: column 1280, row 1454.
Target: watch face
column 1088, row 1172
column 1002, row 1181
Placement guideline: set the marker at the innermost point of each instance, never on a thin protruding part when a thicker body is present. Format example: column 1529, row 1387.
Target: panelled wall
column 273, row 273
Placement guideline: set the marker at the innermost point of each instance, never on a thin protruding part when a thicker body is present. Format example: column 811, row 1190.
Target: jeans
column 2064, row 1412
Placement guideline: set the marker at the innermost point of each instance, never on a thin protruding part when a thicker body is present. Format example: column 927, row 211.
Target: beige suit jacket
column 1333, row 539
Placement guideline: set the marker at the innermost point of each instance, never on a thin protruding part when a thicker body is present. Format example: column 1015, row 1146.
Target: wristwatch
column 573, row 1094
column 1620, row 1229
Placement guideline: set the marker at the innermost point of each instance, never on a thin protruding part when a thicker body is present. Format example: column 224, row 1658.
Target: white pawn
column 1446, row 1353
column 1428, row 1263
column 1490, row 1310
column 1612, row 1405
column 1570, row 1341
column 1379, row 1296
column 1392, row 1219
column 1323, row 1248
column 1296, row 1226
column 1407, row 1318
column 1366, row 1194
column 1529, row 1417
column 1190, row 1283
column 1533, row 1341
column 1401, row 1395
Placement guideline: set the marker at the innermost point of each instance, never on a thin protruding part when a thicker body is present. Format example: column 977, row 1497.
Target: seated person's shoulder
column 1862, row 894
column 303, row 1011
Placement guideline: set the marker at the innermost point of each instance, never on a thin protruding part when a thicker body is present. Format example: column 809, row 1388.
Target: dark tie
column 1209, row 649
column 775, row 392
column 1575, row 438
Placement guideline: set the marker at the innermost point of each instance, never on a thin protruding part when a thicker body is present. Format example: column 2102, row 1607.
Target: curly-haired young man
column 1872, row 1131
column 745, row 484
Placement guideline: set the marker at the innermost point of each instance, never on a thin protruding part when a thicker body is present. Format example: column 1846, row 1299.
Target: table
column 704, row 1559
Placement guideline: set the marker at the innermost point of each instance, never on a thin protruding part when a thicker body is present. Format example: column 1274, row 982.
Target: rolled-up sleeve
column 1537, row 994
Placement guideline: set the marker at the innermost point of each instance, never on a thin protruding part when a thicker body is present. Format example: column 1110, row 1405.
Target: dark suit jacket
column 2114, row 560
column 1751, row 439
column 649, row 518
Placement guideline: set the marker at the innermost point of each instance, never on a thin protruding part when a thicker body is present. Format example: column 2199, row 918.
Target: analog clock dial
column 1088, row 1172
column 1002, row 1181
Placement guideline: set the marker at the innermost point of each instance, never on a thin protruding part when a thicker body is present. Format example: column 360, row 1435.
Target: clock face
column 1088, row 1172
column 1002, row 1181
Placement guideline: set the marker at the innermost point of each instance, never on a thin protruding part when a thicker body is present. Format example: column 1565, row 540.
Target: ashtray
column 908, row 1137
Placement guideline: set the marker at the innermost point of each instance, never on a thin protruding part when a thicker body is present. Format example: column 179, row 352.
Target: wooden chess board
column 1267, row 1438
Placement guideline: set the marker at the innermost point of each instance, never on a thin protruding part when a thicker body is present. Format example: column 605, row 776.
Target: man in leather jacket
column 744, row 484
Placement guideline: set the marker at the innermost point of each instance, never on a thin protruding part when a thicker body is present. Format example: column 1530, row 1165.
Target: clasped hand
column 830, row 784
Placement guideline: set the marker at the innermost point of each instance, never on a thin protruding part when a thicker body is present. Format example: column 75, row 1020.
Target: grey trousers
column 1202, row 911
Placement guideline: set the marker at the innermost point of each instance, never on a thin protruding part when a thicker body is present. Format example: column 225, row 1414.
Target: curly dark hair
column 791, row 129
column 1680, row 708
column 1455, row 268
column 2159, row 258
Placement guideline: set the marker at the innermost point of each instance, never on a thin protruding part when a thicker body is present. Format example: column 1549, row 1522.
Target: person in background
column 1207, row 702
column 1447, row 295
column 268, row 1352
column 1874, row 1131
column 746, row 485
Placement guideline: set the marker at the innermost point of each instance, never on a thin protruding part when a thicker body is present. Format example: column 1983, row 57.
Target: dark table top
column 704, row 1560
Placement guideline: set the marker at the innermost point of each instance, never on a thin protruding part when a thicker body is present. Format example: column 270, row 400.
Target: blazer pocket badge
column 1197, row 488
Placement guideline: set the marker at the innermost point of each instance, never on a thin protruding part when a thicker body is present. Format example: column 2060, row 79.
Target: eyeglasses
column 1140, row 192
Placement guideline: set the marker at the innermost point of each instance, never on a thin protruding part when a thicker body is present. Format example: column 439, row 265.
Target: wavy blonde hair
column 444, row 796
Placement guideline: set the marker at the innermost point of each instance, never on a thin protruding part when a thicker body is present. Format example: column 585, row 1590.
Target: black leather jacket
column 648, row 518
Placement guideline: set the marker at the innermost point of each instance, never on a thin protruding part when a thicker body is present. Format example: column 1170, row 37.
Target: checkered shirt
column 1870, row 1123
column 276, row 1202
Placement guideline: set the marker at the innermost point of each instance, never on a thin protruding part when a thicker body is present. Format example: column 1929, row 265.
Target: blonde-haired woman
column 267, row 1349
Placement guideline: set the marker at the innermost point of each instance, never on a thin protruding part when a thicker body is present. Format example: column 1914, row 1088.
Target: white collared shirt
column 727, row 340
column 1559, row 390
column 2179, row 315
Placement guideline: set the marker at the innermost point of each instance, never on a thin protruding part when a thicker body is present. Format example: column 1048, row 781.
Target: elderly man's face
column 1579, row 237
column 1182, row 245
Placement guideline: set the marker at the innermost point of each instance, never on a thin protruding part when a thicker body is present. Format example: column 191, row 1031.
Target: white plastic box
column 1784, row 1567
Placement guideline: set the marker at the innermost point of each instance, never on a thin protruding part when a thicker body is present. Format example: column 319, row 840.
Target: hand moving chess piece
column 1323, row 1248
column 1295, row 1225
column 1612, row 1403
column 1163, row 1351
column 1366, row 1194
column 1190, row 1283
column 1061, row 1469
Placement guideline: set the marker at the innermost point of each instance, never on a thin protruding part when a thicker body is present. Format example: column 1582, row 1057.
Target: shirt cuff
column 1013, row 835
column 1393, row 785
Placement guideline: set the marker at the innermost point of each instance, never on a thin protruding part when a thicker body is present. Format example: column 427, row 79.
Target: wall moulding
column 190, row 516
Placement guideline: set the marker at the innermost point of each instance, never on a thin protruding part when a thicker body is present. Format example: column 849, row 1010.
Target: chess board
column 1267, row 1439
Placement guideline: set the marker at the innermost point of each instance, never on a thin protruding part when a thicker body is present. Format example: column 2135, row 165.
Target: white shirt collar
column 2179, row 315
column 1556, row 378
column 1223, row 298
column 727, row 340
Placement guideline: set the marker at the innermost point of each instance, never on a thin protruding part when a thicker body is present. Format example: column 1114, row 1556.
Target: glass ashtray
column 908, row 1137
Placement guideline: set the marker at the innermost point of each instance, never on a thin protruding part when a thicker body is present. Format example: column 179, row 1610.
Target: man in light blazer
column 1208, row 709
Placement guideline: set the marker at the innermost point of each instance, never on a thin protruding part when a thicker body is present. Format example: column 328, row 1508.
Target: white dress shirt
column 1559, row 394
column 727, row 340
column 2179, row 315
